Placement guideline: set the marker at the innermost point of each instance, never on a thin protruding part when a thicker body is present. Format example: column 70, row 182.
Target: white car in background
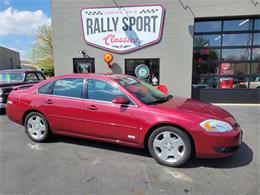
column 253, row 84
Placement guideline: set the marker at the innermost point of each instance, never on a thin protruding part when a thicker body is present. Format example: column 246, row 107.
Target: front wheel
column 36, row 127
column 170, row 146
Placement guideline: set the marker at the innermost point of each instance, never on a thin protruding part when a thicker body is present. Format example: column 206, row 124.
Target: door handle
column 92, row 107
column 48, row 102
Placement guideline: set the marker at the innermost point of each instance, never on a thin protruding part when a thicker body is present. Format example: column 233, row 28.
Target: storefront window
column 208, row 26
column 226, row 54
column 256, row 54
column 207, row 40
column 204, row 81
column 236, row 54
column 257, row 39
column 233, row 82
column 237, row 39
column 255, row 68
column 206, row 68
column 202, row 55
column 145, row 69
column 240, row 68
column 254, row 82
column 257, row 24
column 237, row 25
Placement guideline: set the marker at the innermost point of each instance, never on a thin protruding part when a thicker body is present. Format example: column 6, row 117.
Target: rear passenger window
column 71, row 87
column 45, row 89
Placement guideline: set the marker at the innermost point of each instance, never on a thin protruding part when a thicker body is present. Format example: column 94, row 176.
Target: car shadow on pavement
column 101, row 145
column 242, row 157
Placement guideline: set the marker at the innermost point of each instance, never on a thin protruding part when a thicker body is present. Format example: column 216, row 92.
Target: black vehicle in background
column 17, row 78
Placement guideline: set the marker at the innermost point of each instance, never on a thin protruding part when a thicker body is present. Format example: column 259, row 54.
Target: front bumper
column 218, row 145
column 227, row 149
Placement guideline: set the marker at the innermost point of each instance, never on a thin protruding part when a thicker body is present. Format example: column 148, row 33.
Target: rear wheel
column 36, row 127
column 170, row 146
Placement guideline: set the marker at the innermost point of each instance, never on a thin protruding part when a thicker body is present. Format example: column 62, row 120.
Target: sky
column 18, row 23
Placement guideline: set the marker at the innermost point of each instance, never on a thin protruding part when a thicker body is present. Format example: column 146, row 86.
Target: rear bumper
column 218, row 145
column 3, row 100
column 2, row 105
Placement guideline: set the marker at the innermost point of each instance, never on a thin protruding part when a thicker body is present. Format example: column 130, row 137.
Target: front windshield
column 145, row 92
column 11, row 77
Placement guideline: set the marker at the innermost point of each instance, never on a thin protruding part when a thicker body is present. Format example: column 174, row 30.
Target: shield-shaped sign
column 124, row 28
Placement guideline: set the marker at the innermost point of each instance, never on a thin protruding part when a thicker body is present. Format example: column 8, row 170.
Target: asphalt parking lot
column 75, row 166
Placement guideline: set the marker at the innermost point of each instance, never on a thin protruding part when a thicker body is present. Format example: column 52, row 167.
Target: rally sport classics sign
column 122, row 29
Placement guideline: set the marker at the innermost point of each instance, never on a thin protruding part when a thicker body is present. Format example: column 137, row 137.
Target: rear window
column 11, row 77
column 40, row 76
column 31, row 77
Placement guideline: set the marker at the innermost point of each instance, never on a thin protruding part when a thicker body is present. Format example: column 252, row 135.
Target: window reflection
column 103, row 91
column 68, row 87
column 204, row 82
column 254, row 82
column 257, row 24
column 207, row 40
column 256, row 54
column 207, row 68
column 153, row 65
column 236, row 54
column 256, row 38
column 236, row 39
column 226, row 54
column 208, row 26
column 232, row 82
column 235, row 25
column 206, row 55
column 240, row 68
column 255, row 68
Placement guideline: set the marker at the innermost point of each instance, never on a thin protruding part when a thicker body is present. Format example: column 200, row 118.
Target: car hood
column 197, row 108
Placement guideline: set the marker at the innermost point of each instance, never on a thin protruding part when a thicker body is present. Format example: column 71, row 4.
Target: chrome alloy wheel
column 169, row 147
column 36, row 127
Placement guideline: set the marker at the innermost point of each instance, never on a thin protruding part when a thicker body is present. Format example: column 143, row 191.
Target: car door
column 105, row 119
column 63, row 107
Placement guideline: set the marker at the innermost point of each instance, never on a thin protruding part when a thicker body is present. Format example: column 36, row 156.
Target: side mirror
column 121, row 100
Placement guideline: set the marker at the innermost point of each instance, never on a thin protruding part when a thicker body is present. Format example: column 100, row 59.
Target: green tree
column 43, row 50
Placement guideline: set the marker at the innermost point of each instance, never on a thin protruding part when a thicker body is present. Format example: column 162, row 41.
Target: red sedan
column 125, row 110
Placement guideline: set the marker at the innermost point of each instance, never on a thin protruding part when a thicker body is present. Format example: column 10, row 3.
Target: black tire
column 46, row 135
column 187, row 151
column 2, row 111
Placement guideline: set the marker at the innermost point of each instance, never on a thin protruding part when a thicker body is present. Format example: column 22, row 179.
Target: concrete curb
column 220, row 104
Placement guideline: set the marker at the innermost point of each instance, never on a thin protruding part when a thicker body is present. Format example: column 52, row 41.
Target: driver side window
column 103, row 91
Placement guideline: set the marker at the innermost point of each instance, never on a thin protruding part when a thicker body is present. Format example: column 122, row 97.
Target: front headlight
column 213, row 125
column 1, row 92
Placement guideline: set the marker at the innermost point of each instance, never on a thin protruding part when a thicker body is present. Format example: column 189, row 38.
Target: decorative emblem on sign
column 122, row 29
column 142, row 71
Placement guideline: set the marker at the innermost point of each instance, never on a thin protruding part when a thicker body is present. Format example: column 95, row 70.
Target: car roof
column 18, row 70
column 97, row 76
